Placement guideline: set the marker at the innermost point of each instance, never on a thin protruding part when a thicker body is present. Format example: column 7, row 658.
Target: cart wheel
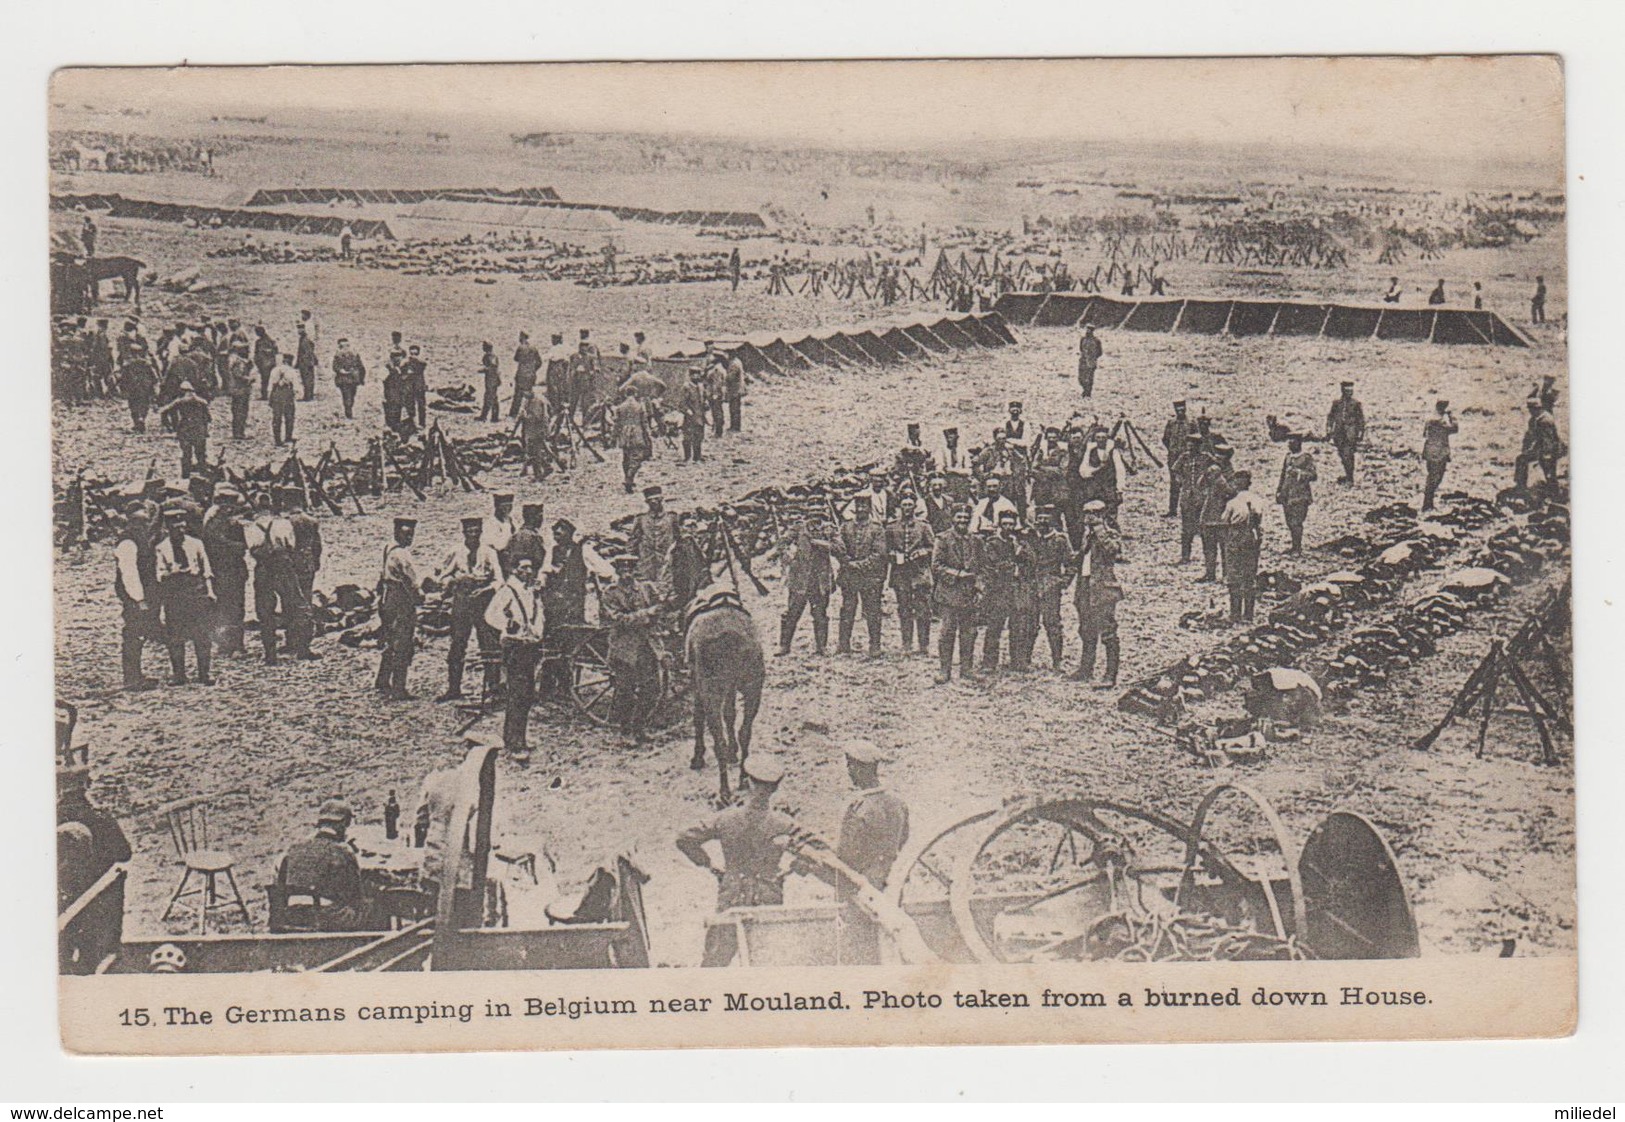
column 591, row 689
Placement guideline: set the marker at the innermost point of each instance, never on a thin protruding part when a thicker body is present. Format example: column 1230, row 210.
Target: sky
column 1464, row 108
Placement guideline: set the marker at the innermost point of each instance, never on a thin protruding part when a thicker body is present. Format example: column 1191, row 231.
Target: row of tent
column 117, row 206
column 731, row 219
column 858, row 349
column 320, row 196
column 1260, row 317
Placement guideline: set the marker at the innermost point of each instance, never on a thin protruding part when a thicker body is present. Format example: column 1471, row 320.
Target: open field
column 1486, row 845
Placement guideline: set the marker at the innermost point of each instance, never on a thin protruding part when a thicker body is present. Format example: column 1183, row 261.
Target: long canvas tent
column 284, row 196
column 1260, row 317
column 118, row 206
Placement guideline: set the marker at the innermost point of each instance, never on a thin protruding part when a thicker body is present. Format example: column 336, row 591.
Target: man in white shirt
column 516, row 615
column 985, row 514
column 278, row 598
column 134, row 578
column 472, row 573
column 1242, row 523
column 953, row 459
column 499, row 526
column 186, row 593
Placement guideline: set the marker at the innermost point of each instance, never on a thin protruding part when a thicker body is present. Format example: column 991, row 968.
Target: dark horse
column 126, row 269
column 725, row 666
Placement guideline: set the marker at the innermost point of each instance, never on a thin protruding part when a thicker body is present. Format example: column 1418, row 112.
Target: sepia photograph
column 812, row 538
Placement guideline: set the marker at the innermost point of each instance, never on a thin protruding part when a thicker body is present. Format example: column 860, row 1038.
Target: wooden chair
column 188, row 821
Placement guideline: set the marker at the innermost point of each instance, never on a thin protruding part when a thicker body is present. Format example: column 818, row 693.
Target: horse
column 726, row 666
column 126, row 269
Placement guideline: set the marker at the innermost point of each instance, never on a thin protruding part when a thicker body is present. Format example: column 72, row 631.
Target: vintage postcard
column 789, row 553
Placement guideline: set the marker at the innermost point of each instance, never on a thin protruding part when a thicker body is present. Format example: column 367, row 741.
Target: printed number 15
column 136, row 1017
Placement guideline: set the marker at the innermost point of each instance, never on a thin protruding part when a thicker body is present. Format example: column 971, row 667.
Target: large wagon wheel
column 592, row 691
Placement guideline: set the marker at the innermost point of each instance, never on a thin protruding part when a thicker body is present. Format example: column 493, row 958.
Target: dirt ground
column 1486, row 845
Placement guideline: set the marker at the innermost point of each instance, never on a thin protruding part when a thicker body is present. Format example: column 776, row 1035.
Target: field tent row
column 282, row 196
column 117, row 206
column 1259, row 317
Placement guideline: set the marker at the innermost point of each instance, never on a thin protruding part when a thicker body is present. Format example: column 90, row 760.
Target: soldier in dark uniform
column 1176, row 436
column 1243, row 530
column 304, row 361
column 137, row 379
column 1089, row 352
column 753, row 838
column 953, row 574
column 996, row 585
column 349, row 374
column 491, row 375
column 939, row 504
column 1015, row 428
column 307, row 544
column 399, row 594
column 189, row 413
column 325, row 867
column 1098, row 595
column 1216, row 490
column 224, row 542
column 653, row 534
column 1295, row 492
column 1053, row 565
column 135, row 581
column 863, row 574
column 415, row 387
column 564, row 593
column 912, row 461
column 265, row 356
column 1541, row 446
column 630, row 608
column 691, row 403
column 527, row 363
column 874, row 829
column 909, row 541
column 185, row 593
column 809, row 576
column 1345, row 428
column 528, row 540
column 583, row 369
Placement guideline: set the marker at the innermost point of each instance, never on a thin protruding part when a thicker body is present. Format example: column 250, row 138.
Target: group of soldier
column 182, row 574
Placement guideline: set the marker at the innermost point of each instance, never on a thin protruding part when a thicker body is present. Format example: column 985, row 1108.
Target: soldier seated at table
column 319, row 880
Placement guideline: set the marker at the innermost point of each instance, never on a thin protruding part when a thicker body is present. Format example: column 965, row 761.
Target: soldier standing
column 1053, row 566
column 278, row 598
column 1089, row 352
column 536, row 435
column 953, row 571
column 349, row 374
column 863, row 574
column 1098, row 595
column 753, row 838
column 630, row 609
column 186, row 592
column 1345, row 429
column 1541, row 445
column 1177, row 434
column 1216, row 489
column 137, row 379
column 527, row 363
column 515, row 613
column 654, row 533
column 227, row 548
column 239, row 385
column 307, row 546
column 528, row 540
column 304, row 360
column 1436, row 436
column 996, row 585
column 284, row 394
column 135, row 579
column 1537, row 302
column 632, row 434
column 399, row 594
column 265, row 356
column 716, row 380
column 691, row 401
column 809, row 576
column 733, row 390
column 1243, row 527
column 415, row 386
column 1295, row 491
column 874, row 829
column 498, row 529
column 564, row 589
column 189, row 413
column 491, row 372
column 910, row 542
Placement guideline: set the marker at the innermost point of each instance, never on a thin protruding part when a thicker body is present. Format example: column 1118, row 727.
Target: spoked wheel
column 592, row 689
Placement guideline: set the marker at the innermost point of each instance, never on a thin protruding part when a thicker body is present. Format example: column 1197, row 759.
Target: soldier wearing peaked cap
column 499, row 527
column 226, row 544
column 472, row 573
column 323, row 867
column 1345, row 428
column 874, row 829
column 1098, row 594
column 654, row 533
column 400, row 591
column 1015, row 426
column 753, row 838
column 491, row 376
column 1177, row 434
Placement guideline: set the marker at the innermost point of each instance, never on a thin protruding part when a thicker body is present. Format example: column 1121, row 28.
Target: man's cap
column 863, row 499
column 637, row 335
column 653, row 491
column 912, row 426
column 558, row 336
column 1009, row 515
column 861, row 751
column 585, row 333
column 404, row 523
column 764, row 769
column 1094, row 506
column 1052, row 430
column 502, row 497
column 1015, row 405
column 564, row 524
column 951, row 430
column 227, row 494
column 1046, row 511
column 473, row 522
column 531, row 510
column 334, row 810
column 524, row 335
column 1348, row 385
column 625, row 561
column 1179, row 405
